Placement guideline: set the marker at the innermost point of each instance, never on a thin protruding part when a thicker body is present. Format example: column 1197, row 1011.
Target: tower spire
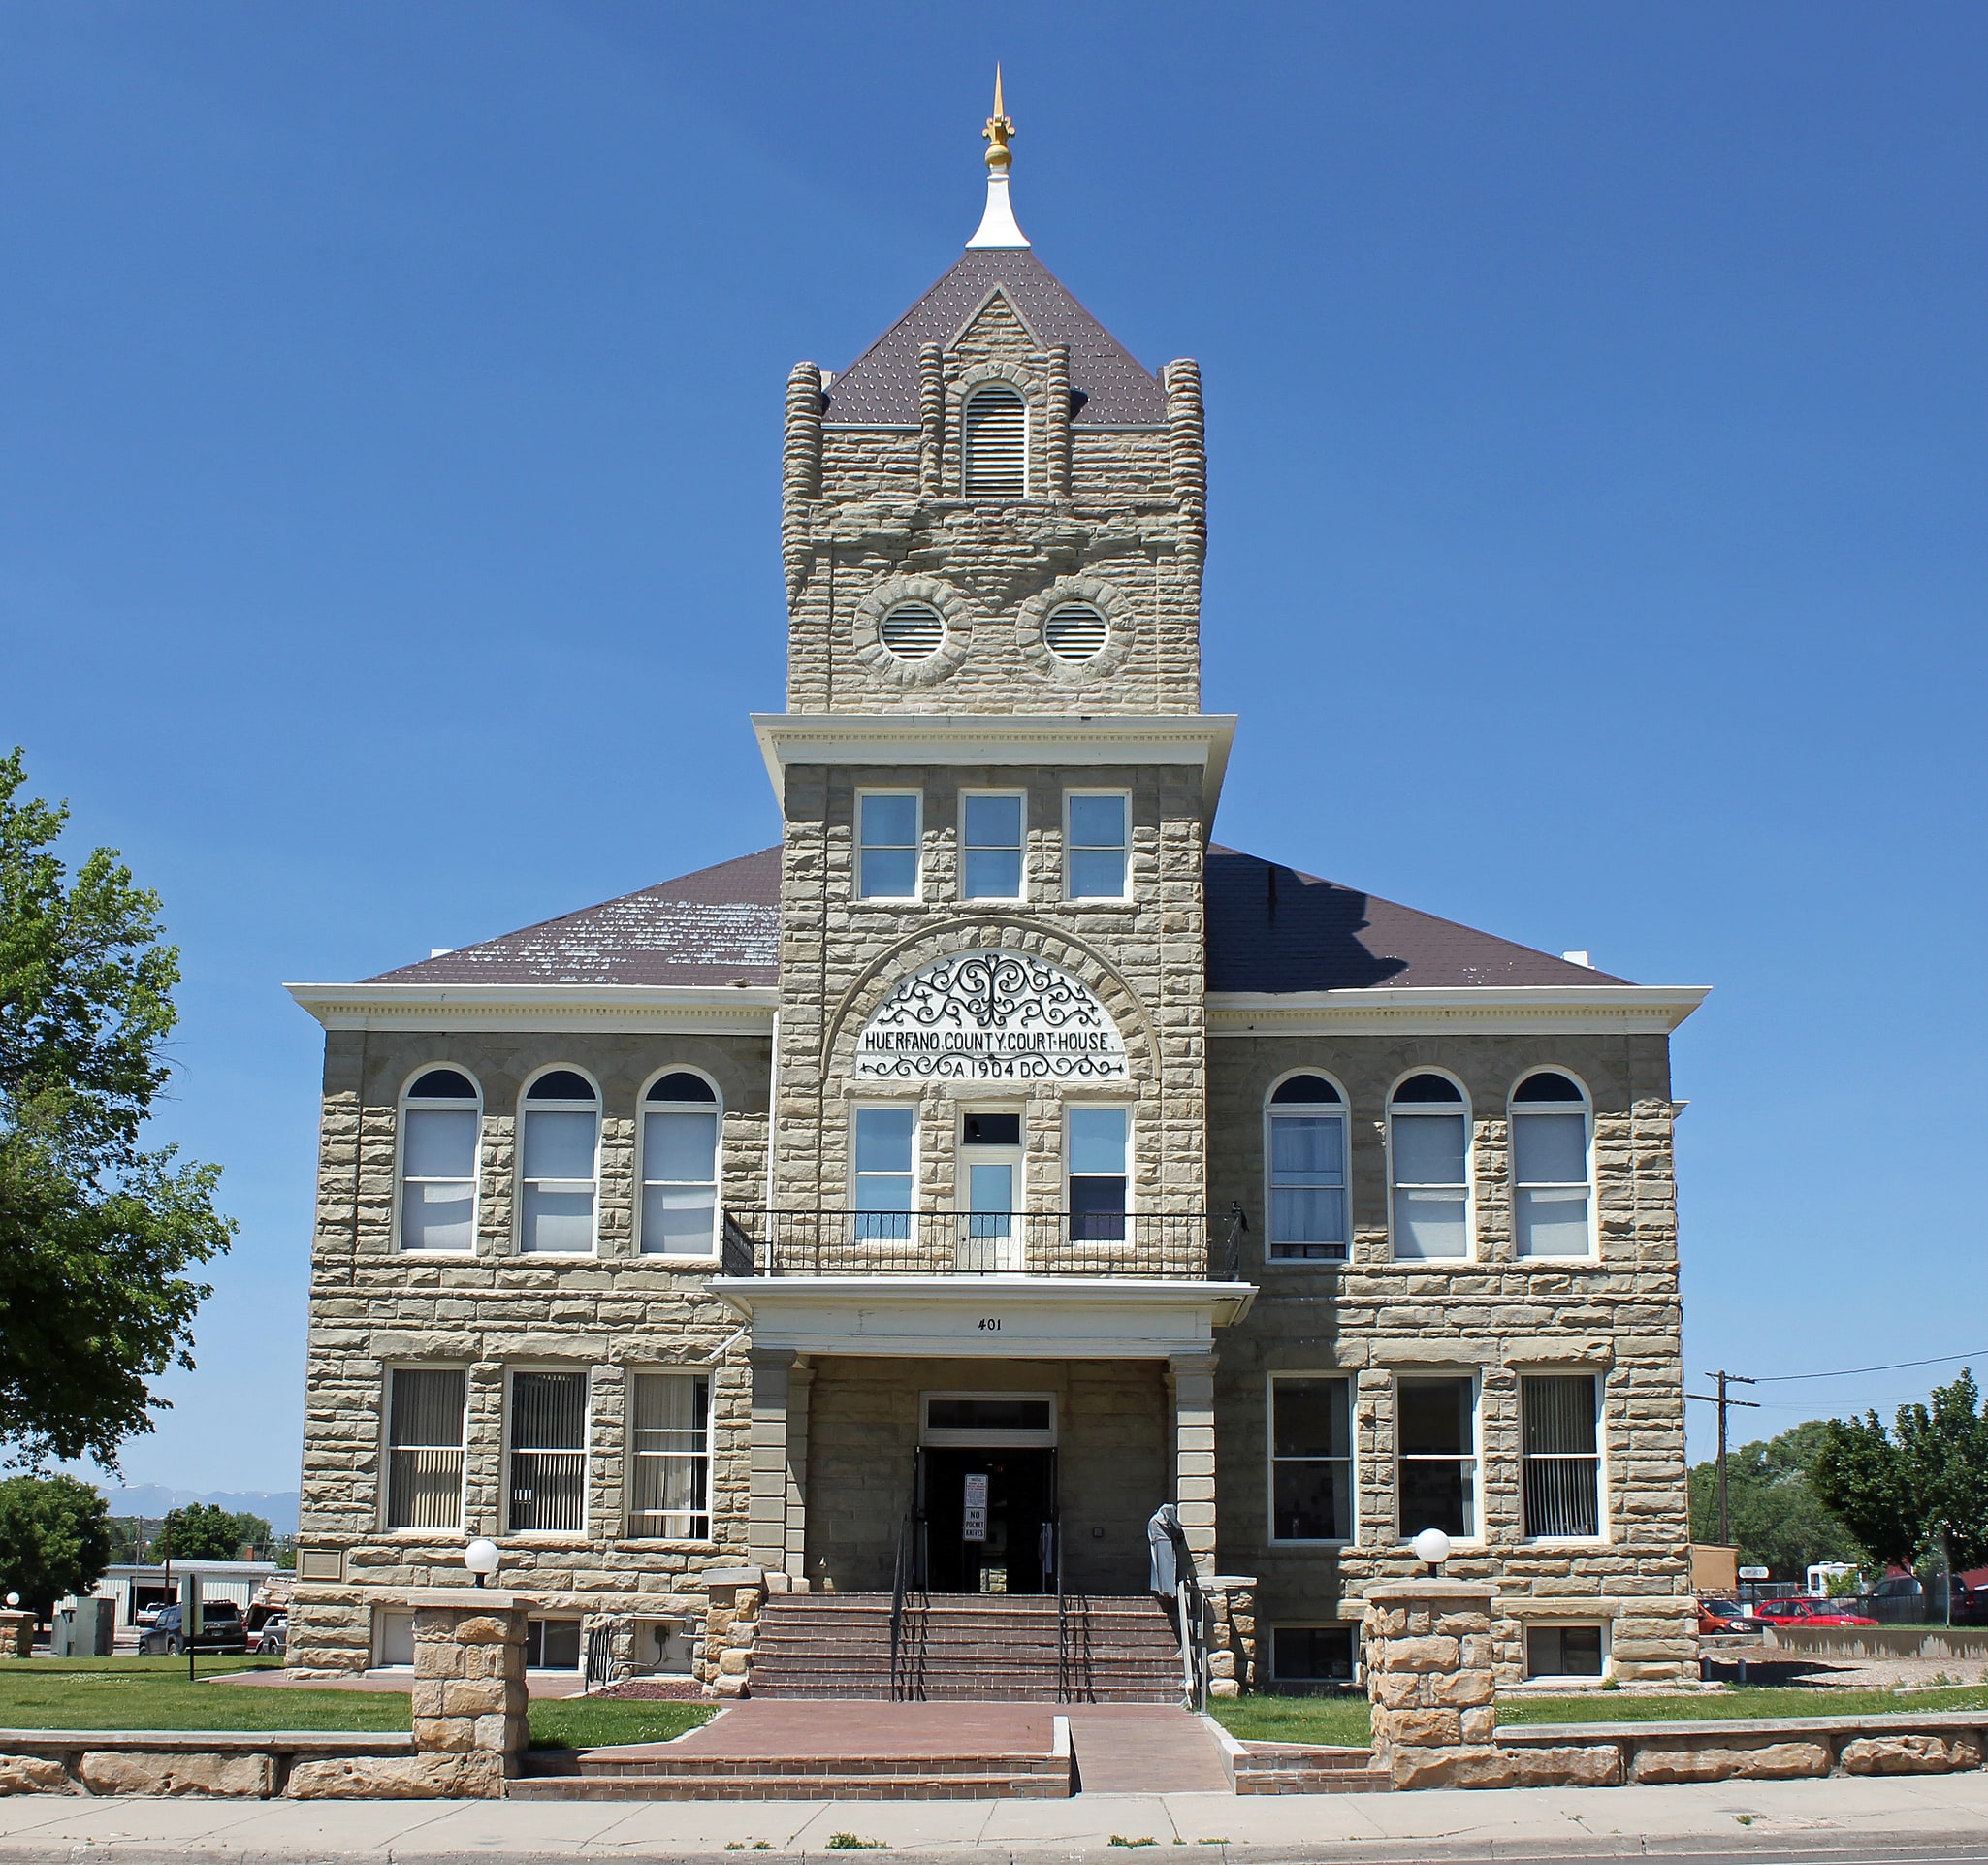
column 997, row 226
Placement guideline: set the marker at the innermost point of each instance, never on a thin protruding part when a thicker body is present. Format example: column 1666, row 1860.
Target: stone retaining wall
column 1573, row 1754
column 1879, row 1641
column 287, row 1766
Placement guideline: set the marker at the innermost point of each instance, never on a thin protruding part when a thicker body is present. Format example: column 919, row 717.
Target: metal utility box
column 84, row 1628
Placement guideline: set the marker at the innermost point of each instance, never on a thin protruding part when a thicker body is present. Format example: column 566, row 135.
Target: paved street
column 1939, row 1818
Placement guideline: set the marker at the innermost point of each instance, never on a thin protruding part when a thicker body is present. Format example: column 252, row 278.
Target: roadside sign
column 1753, row 1573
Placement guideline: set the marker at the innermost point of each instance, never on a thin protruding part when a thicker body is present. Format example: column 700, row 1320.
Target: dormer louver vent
column 913, row 631
column 1075, row 631
column 995, row 444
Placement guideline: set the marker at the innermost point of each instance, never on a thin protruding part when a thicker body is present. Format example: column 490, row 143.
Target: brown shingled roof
column 1109, row 386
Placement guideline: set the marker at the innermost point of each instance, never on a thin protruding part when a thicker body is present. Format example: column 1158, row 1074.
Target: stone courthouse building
column 932, row 1197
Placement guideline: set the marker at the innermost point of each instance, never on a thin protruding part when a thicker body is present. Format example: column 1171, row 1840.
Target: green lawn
column 595, row 1722
column 1341, row 1721
column 154, row 1694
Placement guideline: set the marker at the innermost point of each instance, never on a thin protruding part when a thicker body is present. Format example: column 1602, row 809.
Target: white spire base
column 997, row 225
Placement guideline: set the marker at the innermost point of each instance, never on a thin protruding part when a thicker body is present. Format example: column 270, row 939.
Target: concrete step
column 843, row 1786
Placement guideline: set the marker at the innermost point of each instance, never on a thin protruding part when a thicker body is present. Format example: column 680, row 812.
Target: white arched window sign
column 991, row 1016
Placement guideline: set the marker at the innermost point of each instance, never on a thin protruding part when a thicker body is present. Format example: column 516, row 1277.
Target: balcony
column 1145, row 1246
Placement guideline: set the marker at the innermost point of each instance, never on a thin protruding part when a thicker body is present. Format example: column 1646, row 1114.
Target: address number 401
column 990, row 1323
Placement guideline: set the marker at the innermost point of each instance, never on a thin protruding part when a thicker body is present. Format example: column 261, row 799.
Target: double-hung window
column 1550, row 1170
column 1435, row 1433
column 425, row 1447
column 670, row 1438
column 1428, row 1149
column 991, row 843
column 1098, row 1143
column 1097, row 845
column 1307, row 1159
column 888, row 845
column 680, row 1167
column 1562, row 1455
column 439, row 1119
column 547, row 1476
column 885, row 1147
column 1311, row 1459
column 561, row 1136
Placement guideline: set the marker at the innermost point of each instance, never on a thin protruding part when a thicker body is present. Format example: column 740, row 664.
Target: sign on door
column 973, row 1515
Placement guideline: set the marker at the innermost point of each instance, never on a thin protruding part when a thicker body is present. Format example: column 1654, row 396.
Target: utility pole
column 1719, row 1469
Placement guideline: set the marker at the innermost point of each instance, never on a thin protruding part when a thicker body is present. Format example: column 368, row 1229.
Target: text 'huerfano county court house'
column 907, row 1212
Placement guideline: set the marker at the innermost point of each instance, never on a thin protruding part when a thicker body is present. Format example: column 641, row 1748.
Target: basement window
column 1564, row 1651
column 1311, row 1654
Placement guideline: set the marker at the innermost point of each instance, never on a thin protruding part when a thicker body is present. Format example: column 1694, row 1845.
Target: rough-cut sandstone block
column 1661, row 1763
column 1424, row 1729
column 33, row 1774
column 1596, row 1765
column 1395, row 1691
column 1481, row 1725
column 420, row 1777
column 1224, row 1686
column 485, row 1630
column 734, row 1662
column 247, row 1776
column 1420, row 1654
column 1461, row 1690
column 1910, row 1755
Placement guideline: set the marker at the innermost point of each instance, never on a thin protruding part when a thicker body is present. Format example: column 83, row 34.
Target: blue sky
column 388, row 508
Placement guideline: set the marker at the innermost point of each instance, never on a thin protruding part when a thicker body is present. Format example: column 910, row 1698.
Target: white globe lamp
column 1433, row 1548
column 481, row 1557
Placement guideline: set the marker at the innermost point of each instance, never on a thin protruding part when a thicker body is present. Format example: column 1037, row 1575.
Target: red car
column 1716, row 1616
column 1808, row 1611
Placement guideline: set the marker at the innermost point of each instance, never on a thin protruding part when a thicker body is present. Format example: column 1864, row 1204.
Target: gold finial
column 999, row 129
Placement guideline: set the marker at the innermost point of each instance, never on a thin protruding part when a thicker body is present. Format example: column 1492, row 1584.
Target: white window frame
column 938, row 1436
column 1022, row 876
column 387, row 1446
column 1517, row 1111
column 1414, row 1111
column 525, row 1112
column 1475, row 1376
column 438, row 1106
column 1272, row 1459
column 997, row 386
column 1598, row 1379
column 1559, row 1623
column 918, row 846
column 918, row 1124
column 643, row 1110
column 1131, row 1112
column 1068, row 866
column 634, row 1454
column 1343, row 1109
column 586, row 1454
column 1349, row 1627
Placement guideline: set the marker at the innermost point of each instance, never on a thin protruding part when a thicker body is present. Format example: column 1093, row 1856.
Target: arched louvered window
column 1075, row 631
column 994, row 443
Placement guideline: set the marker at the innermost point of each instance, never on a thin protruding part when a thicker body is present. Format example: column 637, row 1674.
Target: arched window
column 1306, row 1150
column 680, row 1167
column 1551, row 1190
column 440, row 1115
column 560, row 1140
column 1429, row 1150
column 994, row 443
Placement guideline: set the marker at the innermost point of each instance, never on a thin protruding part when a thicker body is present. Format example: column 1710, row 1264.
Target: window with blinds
column 994, row 443
column 1562, row 1456
column 548, row 1454
column 669, row 1434
column 425, row 1447
column 1075, row 631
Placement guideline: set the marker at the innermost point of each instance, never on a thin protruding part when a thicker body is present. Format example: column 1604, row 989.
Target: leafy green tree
column 1773, row 1510
column 96, row 1232
column 206, row 1531
column 1920, row 1490
column 55, row 1539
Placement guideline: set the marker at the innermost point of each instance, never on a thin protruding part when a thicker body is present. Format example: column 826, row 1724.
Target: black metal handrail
column 1191, row 1607
column 906, row 1681
column 1172, row 1245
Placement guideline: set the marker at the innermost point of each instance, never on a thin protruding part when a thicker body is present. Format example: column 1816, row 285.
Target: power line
column 1890, row 1366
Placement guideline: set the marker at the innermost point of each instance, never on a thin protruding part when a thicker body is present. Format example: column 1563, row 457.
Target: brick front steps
column 967, row 1647
column 1290, row 1768
column 652, row 1771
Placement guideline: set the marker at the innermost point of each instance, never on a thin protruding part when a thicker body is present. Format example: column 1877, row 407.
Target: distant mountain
column 278, row 1508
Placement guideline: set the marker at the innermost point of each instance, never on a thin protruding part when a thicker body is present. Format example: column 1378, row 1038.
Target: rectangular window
column 679, row 1181
column 1311, row 1653
column 1097, row 845
column 559, row 1180
column 1311, row 1460
column 552, row 1644
column 670, row 1435
column 1435, row 1429
column 425, row 1447
column 886, row 1140
column 1564, row 1650
column 1549, row 1184
column 438, row 1179
column 888, row 845
column 1098, row 1176
column 1307, row 1186
column 1431, row 1210
column 548, row 1454
column 991, row 842
column 1562, row 1455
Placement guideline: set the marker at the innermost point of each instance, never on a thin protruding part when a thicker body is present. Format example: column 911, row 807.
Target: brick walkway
column 758, row 1730
column 1144, row 1748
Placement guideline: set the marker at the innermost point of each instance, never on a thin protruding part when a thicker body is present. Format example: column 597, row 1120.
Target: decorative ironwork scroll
column 991, row 1016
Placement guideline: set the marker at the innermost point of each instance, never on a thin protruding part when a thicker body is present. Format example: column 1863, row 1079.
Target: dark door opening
column 1001, row 1547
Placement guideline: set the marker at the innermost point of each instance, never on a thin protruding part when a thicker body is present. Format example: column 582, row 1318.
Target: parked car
column 275, row 1634
column 1725, row 1616
column 221, row 1630
column 1811, row 1611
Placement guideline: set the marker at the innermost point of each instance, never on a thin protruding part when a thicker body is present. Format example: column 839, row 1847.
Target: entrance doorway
column 987, row 1515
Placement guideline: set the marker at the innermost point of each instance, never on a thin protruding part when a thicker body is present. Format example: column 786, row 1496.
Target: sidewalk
column 1848, row 1818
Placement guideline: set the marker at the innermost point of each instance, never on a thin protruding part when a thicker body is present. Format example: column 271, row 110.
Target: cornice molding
column 905, row 739
column 713, row 1009
column 1655, row 1009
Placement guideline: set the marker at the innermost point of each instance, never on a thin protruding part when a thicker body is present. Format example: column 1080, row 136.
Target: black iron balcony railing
column 1187, row 1246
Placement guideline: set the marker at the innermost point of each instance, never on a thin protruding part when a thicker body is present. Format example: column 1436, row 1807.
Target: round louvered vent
column 914, row 632
column 1075, row 631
